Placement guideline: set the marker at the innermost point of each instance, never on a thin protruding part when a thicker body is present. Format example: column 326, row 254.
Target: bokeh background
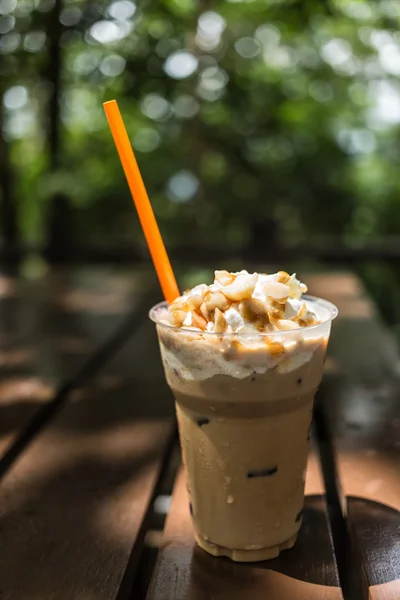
column 263, row 128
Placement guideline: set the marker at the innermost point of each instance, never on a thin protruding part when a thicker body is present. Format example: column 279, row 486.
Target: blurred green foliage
column 237, row 110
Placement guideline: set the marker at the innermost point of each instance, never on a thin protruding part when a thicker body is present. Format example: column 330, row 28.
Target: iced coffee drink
column 244, row 357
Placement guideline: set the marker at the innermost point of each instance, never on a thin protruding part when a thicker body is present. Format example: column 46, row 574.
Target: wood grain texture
column 72, row 505
column 48, row 329
column 307, row 572
column 361, row 400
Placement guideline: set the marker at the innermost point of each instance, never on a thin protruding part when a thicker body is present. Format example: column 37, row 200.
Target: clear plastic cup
column 244, row 407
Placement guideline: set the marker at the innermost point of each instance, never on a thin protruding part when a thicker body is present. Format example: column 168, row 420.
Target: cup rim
column 333, row 310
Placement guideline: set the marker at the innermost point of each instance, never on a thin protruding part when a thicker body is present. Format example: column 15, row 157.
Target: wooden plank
column 72, row 506
column 306, row 572
column 361, row 401
column 49, row 327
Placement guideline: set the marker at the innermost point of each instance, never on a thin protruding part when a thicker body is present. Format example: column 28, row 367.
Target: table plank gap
column 361, row 409
column 135, row 580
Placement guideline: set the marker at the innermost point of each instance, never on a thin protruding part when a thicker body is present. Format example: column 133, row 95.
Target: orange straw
column 146, row 215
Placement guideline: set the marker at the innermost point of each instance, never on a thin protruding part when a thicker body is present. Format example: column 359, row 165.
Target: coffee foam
column 194, row 355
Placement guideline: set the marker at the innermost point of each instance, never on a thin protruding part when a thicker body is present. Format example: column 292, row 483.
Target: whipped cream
column 264, row 321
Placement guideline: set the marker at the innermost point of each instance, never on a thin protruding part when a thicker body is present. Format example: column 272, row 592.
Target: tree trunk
column 57, row 216
column 8, row 212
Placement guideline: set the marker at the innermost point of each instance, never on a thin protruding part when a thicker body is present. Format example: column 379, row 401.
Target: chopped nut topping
column 178, row 316
column 195, row 301
column 282, row 277
column 252, row 308
column 179, row 304
column 205, row 312
column 199, row 321
column 241, row 288
column 219, row 321
column 224, row 278
column 244, row 302
column 217, row 300
column 276, row 290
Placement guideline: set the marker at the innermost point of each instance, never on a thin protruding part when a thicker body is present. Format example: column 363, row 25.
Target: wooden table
column 89, row 459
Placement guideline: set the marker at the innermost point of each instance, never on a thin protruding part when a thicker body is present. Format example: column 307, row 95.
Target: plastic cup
column 244, row 409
